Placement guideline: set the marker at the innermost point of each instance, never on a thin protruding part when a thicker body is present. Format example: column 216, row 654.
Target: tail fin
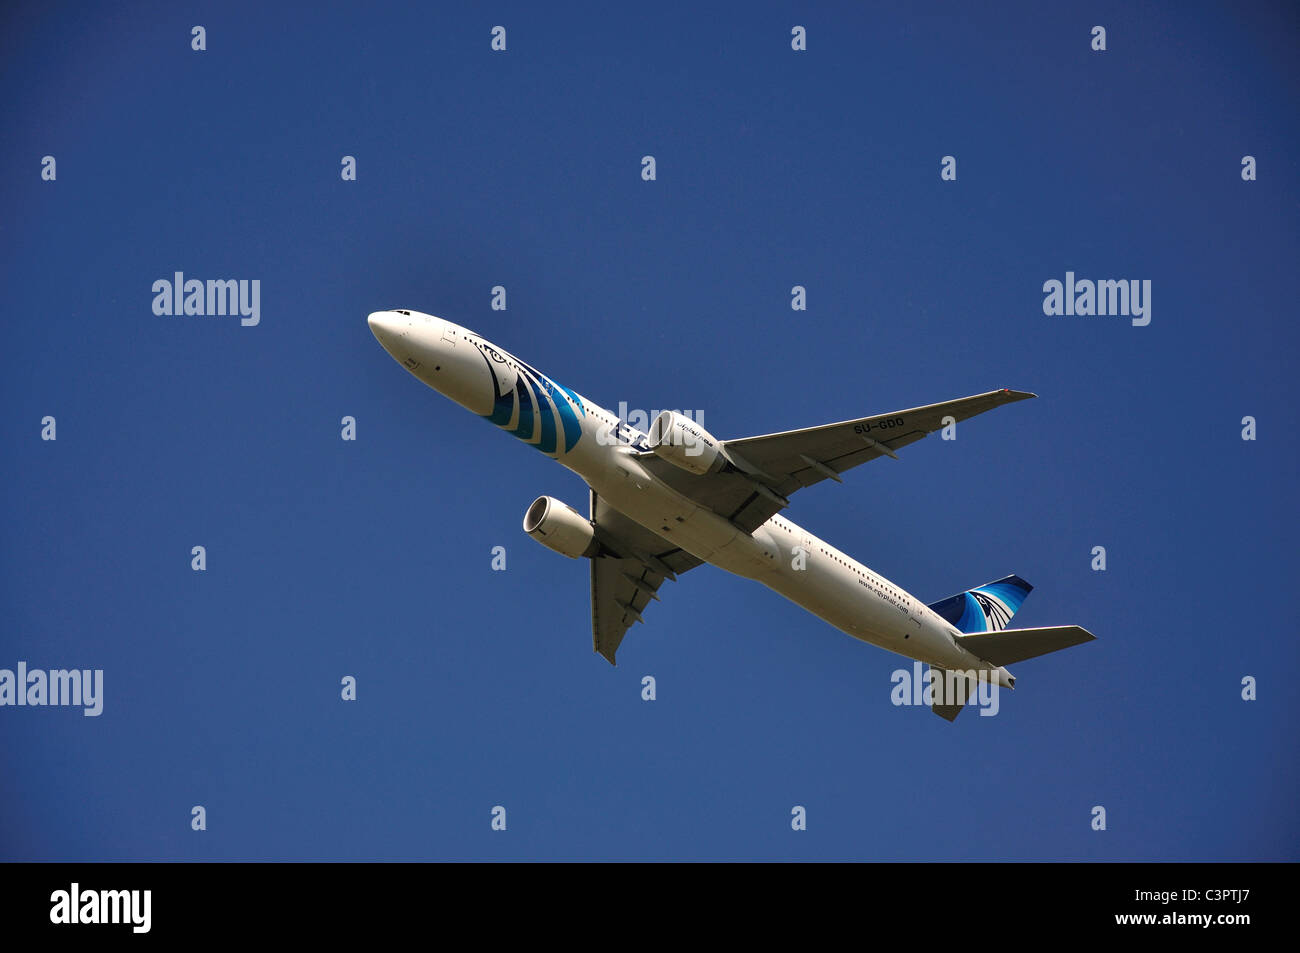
column 949, row 695
column 986, row 608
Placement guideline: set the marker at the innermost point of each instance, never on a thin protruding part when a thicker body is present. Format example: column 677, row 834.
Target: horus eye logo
column 995, row 612
column 495, row 356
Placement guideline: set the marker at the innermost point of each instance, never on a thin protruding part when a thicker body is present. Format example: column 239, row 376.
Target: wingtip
column 1018, row 394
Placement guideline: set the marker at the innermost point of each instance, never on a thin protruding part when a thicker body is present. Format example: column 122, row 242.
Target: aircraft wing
column 626, row 574
column 773, row 466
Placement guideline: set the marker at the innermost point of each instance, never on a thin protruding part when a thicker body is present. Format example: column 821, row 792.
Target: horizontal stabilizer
column 1016, row 645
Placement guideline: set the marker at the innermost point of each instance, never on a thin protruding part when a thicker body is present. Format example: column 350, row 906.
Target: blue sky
column 775, row 168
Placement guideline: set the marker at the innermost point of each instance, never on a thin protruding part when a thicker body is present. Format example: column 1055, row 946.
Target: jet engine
column 560, row 527
column 685, row 444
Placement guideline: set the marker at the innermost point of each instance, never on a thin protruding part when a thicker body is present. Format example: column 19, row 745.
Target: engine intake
column 685, row 444
column 560, row 527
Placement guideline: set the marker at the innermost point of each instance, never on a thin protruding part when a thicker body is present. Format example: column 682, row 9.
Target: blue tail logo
column 986, row 608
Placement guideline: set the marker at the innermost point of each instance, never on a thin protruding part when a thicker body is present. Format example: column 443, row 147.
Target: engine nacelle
column 684, row 443
column 560, row 527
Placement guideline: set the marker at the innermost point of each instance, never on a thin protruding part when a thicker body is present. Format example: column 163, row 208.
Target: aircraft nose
column 387, row 327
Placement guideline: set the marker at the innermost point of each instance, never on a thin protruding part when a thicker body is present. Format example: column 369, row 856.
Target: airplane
column 663, row 502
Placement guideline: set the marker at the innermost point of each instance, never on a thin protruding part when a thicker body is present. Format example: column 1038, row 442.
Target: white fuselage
column 592, row 442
